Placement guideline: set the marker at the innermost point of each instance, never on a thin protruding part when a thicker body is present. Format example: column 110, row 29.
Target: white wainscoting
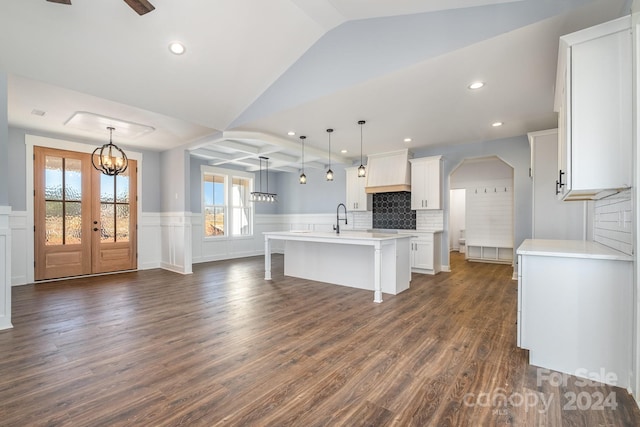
column 5, row 268
column 149, row 240
column 20, row 236
column 176, row 238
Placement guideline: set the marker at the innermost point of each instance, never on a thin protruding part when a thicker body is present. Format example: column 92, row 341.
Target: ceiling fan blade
column 60, row 1
column 140, row 6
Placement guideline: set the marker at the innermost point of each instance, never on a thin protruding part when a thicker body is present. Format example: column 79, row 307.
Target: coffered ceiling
column 254, row 70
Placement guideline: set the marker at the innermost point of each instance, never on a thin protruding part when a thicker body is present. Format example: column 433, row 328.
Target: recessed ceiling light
column 38, row 112
column 177, row 48
column 291, row 133
column 476, row 85
column 496, row 124
column 343, row 151
column 407, row 140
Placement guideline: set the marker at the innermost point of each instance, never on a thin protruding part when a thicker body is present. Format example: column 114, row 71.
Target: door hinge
column 34, row 264
column 34, row 228
column 34, row 157
column 34, row 193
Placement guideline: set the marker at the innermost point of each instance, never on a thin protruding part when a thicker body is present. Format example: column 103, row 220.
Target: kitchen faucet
column 338, row 219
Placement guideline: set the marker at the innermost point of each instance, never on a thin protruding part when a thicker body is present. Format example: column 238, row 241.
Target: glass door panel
column 61, row 213
column 115, row 209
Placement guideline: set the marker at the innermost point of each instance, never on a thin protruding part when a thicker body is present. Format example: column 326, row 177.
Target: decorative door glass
column 63, row 201
column 114, row 208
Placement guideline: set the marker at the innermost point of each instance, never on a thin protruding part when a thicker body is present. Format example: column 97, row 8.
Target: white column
column 267, row 258
column 377, row 274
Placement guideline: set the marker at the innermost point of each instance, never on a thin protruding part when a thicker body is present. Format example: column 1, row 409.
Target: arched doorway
column 481, row 210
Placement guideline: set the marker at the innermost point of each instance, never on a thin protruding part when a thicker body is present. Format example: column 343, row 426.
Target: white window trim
column 229, row 174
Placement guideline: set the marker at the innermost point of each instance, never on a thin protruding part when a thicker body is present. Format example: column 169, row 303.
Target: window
column 226, row 207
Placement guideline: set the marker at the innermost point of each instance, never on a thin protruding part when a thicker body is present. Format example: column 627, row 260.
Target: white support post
column 267, row 258
column 377, row 274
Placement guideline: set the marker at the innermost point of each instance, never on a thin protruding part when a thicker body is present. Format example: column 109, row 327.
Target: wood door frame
column 44, row 252
column 61, row 144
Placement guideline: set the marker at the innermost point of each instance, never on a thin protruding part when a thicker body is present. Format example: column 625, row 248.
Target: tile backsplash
column 613, row 222
column 393, row 210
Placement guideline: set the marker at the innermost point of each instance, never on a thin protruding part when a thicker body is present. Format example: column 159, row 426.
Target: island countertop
column 571, row 249
column 344, row 236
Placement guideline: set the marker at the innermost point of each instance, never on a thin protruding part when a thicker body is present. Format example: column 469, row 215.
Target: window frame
column 228, row 207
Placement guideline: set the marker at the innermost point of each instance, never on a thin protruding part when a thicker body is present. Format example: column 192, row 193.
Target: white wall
column 457, row 210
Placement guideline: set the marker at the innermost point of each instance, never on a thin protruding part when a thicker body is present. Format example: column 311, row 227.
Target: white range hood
column 388, row 172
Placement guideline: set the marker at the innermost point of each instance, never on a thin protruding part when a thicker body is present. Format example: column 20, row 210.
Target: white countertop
column 332, row 236
column 571, row 249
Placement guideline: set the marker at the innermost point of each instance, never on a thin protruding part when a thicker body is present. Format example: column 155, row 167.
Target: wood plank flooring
column 224, row 347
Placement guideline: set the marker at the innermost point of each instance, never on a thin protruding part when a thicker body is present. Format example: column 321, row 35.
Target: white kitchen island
column 375, row 261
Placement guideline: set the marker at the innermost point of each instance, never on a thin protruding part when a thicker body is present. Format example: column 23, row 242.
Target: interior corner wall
column 5, row 209
column 515, row 151
column 173, row 179
column 4, row 140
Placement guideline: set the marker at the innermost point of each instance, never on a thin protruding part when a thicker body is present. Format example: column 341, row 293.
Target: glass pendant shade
column 362, row 172
column 329, row 175
column 111, row 159
column 303, row 177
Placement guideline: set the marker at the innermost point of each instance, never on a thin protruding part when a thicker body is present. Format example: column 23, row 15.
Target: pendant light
column 303, row 177
column 259, row 196
column 111, row 159
column 362, row 172
column 329, row 171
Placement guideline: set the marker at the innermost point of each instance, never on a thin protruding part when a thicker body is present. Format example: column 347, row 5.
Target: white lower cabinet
column 575, row 312
column 425, row 252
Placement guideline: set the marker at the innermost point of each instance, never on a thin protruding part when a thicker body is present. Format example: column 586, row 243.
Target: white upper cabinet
column 426, row 183
column 357, row 198
column 593, row 99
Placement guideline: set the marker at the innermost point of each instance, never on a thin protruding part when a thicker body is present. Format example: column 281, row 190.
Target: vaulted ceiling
column 254, row 70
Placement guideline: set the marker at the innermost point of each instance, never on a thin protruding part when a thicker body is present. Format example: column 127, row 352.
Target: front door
column 85, row 222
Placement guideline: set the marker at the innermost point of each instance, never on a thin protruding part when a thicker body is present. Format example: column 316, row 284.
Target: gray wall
column 515, row 151
column 4, row 142
column 17, row 170
column 316, row 196
column 151, row 199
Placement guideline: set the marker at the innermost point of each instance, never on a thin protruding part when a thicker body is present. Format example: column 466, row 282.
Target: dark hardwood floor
column 224, row 347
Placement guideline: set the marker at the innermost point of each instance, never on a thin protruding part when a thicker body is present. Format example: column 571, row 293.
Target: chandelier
column 111, row 159
column 259, row 196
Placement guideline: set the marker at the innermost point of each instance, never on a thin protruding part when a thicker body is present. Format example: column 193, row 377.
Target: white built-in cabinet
column 575, row 308
column 426, row 183
column 593, row 101
column 551, row 218
column 425, row 251
column 357, row 198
